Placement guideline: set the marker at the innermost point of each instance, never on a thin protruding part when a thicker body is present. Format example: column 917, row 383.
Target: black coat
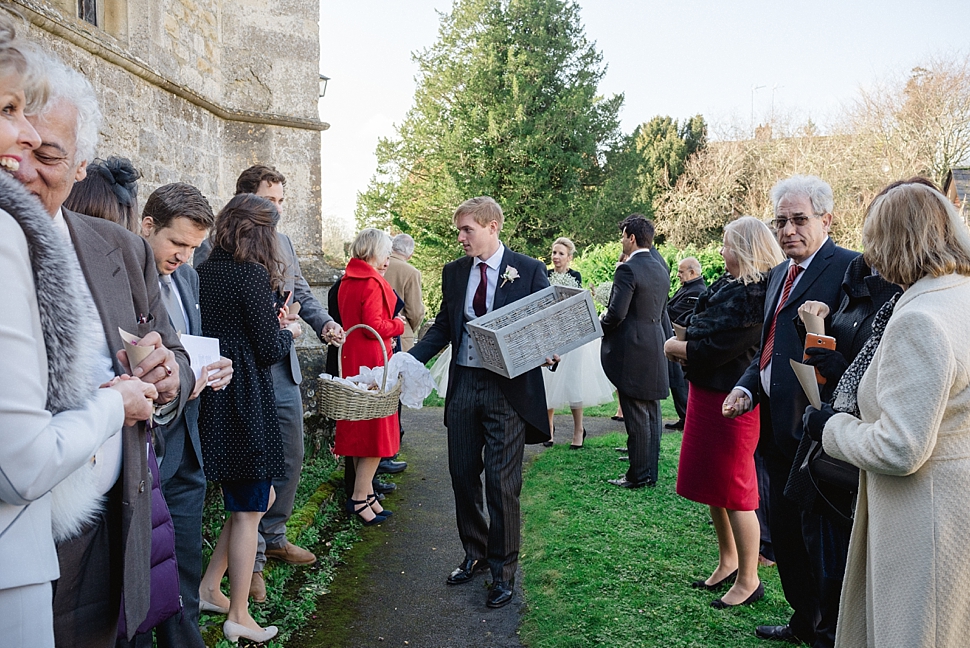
column 238, row 425
column 863, row 294
column 526, row 392
column 725, row 332
column 681, row 305
column 822, row 281
column 633, row 328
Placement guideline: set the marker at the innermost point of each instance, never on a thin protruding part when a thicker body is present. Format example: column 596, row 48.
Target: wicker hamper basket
column 342, row 403
column 521, row 335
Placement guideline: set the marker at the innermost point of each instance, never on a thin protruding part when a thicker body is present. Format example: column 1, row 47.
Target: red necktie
column 769, row 344
column 478, row 301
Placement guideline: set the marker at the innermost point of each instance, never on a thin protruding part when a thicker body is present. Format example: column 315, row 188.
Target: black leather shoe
column 499, row 594
column 676, row 425
column 391, row 467
column 623, row 450
column 384, row 487
column 623, row 482
column 777, row 633
column 713, row 587
column 466, row 571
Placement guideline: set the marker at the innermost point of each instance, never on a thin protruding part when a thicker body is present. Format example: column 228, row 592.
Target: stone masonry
column 198, row 90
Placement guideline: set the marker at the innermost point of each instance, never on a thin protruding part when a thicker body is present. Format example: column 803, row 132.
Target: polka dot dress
column 238, row 426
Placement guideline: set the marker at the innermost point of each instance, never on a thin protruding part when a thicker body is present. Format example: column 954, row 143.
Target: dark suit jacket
column 822, row 281
column 633, row 330
column 120, row 271
column 526, row 393
column 684, row 300
column 186, row 426
column 311, row 311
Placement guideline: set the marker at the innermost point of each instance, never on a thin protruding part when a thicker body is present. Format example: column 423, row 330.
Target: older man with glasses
column 814, row 270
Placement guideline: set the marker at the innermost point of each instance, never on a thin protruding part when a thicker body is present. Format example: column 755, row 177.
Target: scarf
column 846, row 392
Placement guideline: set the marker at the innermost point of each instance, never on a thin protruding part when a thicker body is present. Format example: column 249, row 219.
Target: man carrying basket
column 489, row 417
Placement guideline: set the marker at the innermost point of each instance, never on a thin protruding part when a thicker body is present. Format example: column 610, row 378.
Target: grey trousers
column 643, row 428
column 289, row 409
column 485, row 434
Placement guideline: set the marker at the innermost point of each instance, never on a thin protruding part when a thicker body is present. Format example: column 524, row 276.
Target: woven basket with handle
column 342, row 403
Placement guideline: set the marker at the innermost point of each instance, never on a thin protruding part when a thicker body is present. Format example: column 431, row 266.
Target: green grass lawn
column 605, row 566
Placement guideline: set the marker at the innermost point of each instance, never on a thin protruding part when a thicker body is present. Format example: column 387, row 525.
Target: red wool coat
column 365, row 297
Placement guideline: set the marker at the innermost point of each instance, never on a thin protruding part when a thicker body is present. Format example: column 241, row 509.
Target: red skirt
column 717, row 454
column 374, row 438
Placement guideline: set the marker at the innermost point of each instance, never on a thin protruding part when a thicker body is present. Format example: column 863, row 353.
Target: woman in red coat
column 365, row 297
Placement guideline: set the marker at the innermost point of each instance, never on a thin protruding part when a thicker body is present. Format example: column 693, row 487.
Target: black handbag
column 821, row 484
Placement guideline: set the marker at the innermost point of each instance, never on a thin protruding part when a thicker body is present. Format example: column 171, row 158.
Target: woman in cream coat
column 906, row 583
column 51, row 420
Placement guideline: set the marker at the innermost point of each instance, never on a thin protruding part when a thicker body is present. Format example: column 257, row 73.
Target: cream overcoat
column 907, row 582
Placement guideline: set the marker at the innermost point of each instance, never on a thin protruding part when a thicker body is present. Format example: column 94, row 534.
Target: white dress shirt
column 467, row 353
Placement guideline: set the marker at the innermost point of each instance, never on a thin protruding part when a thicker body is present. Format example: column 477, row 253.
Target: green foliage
column 507, row 106
column 709, row 256
column 597, row 263
column 605, row 566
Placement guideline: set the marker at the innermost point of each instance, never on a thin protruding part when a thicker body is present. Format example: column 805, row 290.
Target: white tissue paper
column 417, row 381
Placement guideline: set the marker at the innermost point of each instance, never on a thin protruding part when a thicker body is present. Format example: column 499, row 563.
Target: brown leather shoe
column 257, row 588
column 291, row 554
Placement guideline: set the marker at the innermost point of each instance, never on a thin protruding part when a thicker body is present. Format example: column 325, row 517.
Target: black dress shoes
column 713, row 587
column 384, row 487
column 499, row 594
column 777, row 633
column 623, row 482
column 391, row 467
column 756, row 595
column 466, row 571
column 676, row 425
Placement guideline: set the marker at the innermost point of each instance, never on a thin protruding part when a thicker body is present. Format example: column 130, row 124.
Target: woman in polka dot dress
column 241, row 444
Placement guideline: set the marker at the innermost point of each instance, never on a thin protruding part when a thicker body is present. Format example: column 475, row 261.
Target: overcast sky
column 668, row 57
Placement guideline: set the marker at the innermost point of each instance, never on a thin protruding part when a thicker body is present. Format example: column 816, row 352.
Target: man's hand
column 216, row 375
column 159, row 368
column 736, row 404
column 676, row 350
column 138, row 397
column 332, row 333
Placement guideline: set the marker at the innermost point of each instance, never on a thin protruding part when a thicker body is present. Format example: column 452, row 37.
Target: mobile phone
column 818, row 341
column 287, row 296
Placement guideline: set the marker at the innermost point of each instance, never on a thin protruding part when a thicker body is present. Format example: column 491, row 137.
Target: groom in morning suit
column 175, row 220
column 632, row 352
column 483, row 410
column 814, row 271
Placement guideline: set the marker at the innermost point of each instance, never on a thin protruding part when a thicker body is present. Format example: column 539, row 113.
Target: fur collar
column 728, row 305
column 67, row 322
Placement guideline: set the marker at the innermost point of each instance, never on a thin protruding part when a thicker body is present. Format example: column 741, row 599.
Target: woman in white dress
column 579, row 381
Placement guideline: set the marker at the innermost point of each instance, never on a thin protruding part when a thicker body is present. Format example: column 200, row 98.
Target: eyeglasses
column 797, row 221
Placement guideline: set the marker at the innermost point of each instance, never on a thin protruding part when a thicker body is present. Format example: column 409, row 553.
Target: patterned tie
column 172, row 303
column 769, row 344
column 478, row 301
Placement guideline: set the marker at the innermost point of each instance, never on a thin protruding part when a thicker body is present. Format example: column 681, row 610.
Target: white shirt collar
column 493, row 261
column 637, row 251
column 61, row 225
column 807, row 262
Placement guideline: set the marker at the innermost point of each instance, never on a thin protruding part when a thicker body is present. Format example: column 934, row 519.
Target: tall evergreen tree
column 507, row 106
